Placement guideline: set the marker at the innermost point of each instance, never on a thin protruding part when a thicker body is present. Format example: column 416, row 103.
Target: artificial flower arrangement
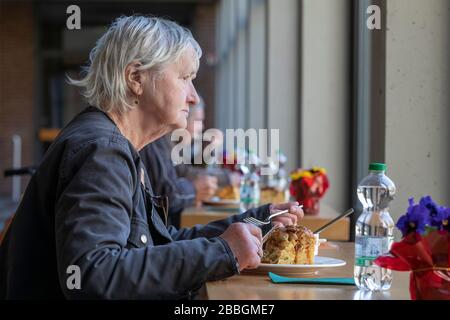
column 308, row 186
column 424, row 250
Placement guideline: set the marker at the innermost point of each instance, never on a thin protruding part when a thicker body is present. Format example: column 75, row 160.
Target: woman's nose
column 193, row 98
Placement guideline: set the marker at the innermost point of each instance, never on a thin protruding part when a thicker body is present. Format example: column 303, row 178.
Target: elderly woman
column 88, row 225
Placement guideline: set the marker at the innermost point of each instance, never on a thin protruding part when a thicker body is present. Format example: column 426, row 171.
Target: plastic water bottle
column 282, row 176
column 374, row 229
column 250, row 191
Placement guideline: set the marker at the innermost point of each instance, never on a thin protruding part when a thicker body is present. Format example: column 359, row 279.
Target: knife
column 345, row 214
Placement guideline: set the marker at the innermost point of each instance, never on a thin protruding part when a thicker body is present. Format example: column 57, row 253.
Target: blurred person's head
column 144, row 65
column 195, row 119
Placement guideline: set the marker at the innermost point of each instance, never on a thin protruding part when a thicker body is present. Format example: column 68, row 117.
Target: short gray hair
column 154, row 42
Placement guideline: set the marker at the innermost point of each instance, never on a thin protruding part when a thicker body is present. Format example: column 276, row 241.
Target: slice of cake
column 289, row 245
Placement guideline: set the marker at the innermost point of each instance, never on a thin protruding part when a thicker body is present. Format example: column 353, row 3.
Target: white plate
column 297, row 269
column 221, row 202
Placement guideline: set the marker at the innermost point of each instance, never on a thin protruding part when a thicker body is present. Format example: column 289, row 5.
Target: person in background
column 89, row 225
column 179, row 192
column 183, row 185
column 195, row 126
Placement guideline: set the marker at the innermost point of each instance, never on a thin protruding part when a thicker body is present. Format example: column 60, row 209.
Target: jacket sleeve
column 216, row 228
column 92, row 225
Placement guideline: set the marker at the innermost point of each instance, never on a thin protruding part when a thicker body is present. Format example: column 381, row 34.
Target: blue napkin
column 279, row 279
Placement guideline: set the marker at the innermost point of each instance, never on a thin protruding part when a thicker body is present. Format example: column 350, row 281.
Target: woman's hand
column 294, row 215
column 244, row 240
column 205, row 187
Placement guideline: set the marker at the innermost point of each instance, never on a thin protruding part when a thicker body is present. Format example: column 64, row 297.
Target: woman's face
column 172, row 93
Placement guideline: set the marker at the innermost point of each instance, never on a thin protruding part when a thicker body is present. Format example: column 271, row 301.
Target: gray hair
column 154, row 42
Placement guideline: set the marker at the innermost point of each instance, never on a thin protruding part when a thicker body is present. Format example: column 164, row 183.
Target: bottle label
column 368, row 249
column 248, row 200
column 249, row 195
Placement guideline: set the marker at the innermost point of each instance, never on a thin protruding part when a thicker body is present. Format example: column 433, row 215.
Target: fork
column 266, row 236
column 260, row 223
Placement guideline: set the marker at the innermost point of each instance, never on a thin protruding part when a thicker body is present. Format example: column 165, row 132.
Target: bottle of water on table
column 374, row 229
column 250, row 191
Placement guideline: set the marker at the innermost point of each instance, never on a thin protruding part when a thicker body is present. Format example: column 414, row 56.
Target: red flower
column 308, row 186
column 428, row 258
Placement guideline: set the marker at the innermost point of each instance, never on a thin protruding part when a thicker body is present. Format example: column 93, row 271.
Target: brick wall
column 204, row 30
column 16, row 85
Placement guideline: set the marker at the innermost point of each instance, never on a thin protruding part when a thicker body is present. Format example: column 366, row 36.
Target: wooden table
column 338, row 232
column 257, row 287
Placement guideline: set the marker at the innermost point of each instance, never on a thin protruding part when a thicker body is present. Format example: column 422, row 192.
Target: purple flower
column 416, row 218
column 442, row 219
column 430, row 204
column 438, row 215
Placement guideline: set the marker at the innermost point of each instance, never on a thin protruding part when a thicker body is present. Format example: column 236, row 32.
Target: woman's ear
column 133, row 77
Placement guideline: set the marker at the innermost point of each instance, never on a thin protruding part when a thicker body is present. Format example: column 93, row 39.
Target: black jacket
column 175, row 182
column 86, row 206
